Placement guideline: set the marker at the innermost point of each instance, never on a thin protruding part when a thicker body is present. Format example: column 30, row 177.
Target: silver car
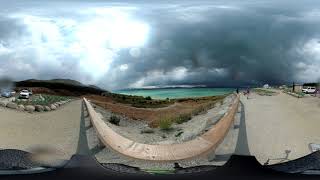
column 6, row 94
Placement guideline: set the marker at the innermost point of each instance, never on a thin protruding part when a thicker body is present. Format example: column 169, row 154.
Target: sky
column 134, row 44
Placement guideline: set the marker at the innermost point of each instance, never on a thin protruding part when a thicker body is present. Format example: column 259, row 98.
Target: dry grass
column 178, row 112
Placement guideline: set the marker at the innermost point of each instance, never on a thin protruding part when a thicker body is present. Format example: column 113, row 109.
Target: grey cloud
column 213, row 43
column 251, row 46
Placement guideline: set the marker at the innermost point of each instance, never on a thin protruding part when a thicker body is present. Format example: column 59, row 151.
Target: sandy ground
column 280, row 127
column 57, row 129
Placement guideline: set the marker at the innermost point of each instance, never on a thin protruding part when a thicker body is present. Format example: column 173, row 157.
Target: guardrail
column 199, row 146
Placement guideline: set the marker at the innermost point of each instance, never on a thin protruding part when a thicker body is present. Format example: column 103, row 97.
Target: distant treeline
column 311, row 84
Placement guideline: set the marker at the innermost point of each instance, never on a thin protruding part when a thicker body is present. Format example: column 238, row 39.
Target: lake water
column 173, row 93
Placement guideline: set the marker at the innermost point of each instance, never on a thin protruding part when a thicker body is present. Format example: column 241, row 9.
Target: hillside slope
column 58, row 86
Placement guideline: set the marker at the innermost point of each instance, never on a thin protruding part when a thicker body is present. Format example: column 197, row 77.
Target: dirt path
column 58, row 129
column 281, row 127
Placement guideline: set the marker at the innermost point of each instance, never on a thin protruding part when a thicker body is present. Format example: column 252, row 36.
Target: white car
column 308, row 90
column 25, row 94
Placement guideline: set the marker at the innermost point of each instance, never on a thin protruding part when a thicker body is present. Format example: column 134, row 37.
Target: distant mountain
column 68, row 81
column 64, row 81
column 96, row 87
column 167, row 87
column 59, row 86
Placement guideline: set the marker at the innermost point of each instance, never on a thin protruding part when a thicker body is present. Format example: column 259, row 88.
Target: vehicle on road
column 24, row 94
column 13, row 93
column 6, row 94
column 309, row 90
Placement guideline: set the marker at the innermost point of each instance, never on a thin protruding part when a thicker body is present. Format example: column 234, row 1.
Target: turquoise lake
column 174, row 93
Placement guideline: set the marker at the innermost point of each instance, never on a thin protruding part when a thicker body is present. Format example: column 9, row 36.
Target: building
column 283, row 87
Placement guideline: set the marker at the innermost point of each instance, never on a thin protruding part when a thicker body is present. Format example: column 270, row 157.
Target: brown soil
column 152, row 115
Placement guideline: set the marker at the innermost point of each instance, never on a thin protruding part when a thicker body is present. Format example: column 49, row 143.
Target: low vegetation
column 165, row 123
column 42, row 99
column 301, row 94
column 139, row 101
column 182, row 110
column 295, row 94
column 185, row 117
column 264, row 92
column 114, row 120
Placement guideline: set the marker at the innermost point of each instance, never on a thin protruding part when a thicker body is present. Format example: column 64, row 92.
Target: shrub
column 183, row 118
column 114, row 120
column 178, row 134
column 165, row 123
column 148, row 98
column 301, row 94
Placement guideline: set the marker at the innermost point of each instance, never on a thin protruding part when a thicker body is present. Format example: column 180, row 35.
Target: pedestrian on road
column 248, row 92
column 237, row 90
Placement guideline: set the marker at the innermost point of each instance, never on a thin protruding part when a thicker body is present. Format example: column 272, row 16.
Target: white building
column 266, row 86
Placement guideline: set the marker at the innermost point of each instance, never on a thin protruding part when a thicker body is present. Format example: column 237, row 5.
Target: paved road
column 58, row 129
column 280, row 127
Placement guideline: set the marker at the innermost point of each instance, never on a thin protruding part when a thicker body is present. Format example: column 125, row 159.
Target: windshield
column 160, row 85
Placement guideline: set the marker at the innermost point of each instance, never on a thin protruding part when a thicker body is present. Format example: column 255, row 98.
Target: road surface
column 280, row 128
column 57, row 129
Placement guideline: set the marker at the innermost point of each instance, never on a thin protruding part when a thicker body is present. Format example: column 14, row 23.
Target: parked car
column 309, row 90
column 24, row 94
column 6, row 94
column 13, row 93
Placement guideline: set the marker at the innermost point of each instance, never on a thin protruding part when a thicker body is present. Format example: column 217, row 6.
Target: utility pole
column 293, row 87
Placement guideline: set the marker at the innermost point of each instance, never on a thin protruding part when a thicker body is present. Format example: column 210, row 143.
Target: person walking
column 237, row 90
column 248, row 92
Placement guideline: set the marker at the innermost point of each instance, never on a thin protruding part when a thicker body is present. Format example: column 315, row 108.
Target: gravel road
column 57, row 129
column 281, row 127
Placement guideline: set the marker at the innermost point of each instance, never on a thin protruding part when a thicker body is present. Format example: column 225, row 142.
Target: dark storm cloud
column 211, row 43
column 225, row 46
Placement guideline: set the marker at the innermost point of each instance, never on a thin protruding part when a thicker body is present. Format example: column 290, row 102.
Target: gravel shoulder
column 57, row 129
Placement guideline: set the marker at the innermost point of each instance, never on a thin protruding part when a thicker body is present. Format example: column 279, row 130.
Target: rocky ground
column 217, row 157
column 17, row 104
column 140, row 131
